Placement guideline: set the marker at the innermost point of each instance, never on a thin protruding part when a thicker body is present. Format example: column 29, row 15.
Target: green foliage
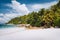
column 57, row 22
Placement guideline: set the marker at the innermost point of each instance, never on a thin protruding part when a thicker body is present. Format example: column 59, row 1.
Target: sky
column 10, row 9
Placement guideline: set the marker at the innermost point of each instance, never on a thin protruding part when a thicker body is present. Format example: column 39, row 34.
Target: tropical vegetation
column 49, row 17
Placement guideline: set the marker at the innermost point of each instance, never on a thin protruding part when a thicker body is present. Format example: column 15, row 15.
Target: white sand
column 23, row 34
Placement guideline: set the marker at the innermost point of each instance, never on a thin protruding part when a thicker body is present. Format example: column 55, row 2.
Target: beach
column 18, row 33
column 29, row 19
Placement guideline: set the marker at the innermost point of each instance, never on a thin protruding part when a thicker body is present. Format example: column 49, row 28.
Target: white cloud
column 21, row 8
column 8, row 16
column 36, row 7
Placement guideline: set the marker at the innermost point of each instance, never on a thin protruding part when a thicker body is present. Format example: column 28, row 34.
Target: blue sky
column 12, row 8
column 27, row 1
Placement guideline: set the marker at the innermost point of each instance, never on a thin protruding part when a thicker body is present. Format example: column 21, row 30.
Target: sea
column 6, row 26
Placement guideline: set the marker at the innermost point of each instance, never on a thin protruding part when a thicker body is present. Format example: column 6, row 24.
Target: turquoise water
column 6, row 26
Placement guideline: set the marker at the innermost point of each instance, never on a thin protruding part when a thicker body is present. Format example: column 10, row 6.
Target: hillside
column 48, row 17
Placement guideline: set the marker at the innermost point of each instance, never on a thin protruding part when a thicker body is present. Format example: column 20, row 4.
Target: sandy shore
column 24, row 34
